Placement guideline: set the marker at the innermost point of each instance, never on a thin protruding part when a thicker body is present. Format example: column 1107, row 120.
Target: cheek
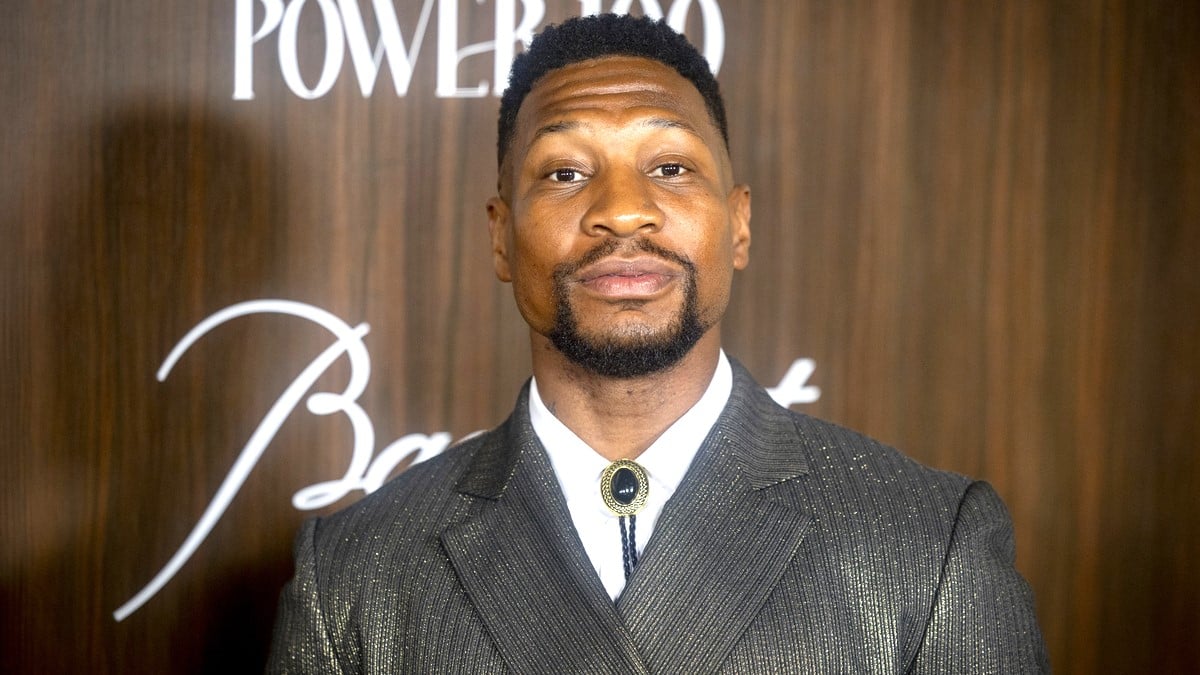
column 532, row 264
column 709, row 241
column 714, row 285
column 713, row 257
column 539, row 247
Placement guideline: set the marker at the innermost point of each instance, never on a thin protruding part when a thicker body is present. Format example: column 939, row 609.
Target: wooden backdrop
column 981, row 219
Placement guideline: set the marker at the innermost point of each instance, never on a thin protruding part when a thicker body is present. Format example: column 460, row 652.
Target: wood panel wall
column 981, row 219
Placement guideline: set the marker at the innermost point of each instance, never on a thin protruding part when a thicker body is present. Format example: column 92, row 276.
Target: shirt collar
column 578, row 466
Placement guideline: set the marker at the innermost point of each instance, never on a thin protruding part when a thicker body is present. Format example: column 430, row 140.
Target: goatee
column 636, row 355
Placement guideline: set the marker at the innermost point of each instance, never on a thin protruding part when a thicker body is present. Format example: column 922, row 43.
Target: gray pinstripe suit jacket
column 792, row 546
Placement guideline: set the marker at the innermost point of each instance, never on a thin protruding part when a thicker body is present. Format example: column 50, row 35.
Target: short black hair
column 593, row 37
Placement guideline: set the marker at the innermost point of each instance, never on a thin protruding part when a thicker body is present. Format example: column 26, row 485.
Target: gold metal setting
column 606, row 488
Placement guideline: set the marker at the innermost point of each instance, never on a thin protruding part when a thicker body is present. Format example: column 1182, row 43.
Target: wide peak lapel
column 524, row 569
column 722, row 543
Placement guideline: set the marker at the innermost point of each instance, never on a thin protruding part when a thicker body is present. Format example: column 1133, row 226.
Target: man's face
column 618, row 222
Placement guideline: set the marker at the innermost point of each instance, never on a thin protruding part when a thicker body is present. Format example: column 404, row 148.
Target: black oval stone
column 624, row 485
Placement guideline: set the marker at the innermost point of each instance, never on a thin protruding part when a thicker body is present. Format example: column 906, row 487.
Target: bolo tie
column 624, row 487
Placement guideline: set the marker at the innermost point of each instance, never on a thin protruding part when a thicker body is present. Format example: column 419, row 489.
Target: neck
column 620, row 418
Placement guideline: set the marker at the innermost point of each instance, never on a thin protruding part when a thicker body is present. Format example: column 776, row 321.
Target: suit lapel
column 722, row 542
column 524, row 568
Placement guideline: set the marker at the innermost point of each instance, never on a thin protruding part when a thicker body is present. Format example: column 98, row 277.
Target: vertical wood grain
column 980, row 219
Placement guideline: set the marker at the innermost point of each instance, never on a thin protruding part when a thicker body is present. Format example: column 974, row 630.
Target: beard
column 629, row 356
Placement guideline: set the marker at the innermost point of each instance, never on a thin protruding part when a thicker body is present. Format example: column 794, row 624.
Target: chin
column 629, row 351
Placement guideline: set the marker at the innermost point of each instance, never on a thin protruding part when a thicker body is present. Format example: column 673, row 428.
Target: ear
column 498, row 228
column 739, row 218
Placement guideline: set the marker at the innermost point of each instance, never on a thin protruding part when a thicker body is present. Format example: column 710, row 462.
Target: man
column 647, row 507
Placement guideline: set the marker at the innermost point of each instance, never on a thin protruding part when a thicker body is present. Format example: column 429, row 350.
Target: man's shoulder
column 831, row 454
column 839, row 451
column 860, row 486
column 417, row 503
column 371, row 558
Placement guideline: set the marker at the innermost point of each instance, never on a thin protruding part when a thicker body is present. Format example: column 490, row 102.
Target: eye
column 565, row 175
column 669, row 170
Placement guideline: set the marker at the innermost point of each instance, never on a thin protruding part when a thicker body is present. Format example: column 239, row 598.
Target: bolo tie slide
column 625, row 489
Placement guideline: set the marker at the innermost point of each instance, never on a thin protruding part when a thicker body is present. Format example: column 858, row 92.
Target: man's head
column 593, row 37
column 618, row 221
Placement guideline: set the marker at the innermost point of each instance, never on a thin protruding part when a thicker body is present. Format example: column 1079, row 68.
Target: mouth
column 620, row 278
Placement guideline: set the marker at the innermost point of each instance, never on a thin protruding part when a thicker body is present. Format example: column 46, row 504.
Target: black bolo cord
column 629, row 555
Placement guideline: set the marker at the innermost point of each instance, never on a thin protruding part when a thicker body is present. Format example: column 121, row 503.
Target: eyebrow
column 556, row 127
column 653, row 122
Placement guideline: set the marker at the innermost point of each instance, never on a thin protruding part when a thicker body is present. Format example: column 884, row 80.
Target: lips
column 620, row 278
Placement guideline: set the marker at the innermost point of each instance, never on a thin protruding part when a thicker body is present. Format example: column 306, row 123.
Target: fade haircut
column 593, row 37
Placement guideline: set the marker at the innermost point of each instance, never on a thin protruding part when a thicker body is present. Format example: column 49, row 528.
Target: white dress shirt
column 578, row 467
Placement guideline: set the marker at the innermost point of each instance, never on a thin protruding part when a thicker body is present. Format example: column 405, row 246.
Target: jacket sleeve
column 983, row 618
column 300, row 642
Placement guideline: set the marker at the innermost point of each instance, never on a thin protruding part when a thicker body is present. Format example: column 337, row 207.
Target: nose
column 623, row 205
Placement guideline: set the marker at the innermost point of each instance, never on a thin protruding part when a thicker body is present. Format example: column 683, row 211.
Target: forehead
column 613, row 90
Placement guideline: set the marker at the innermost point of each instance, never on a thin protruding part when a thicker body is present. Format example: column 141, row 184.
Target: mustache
column 610, row 246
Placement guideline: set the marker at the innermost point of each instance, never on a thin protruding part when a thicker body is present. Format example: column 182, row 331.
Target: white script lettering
column 363, row 473
column 794, row 388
